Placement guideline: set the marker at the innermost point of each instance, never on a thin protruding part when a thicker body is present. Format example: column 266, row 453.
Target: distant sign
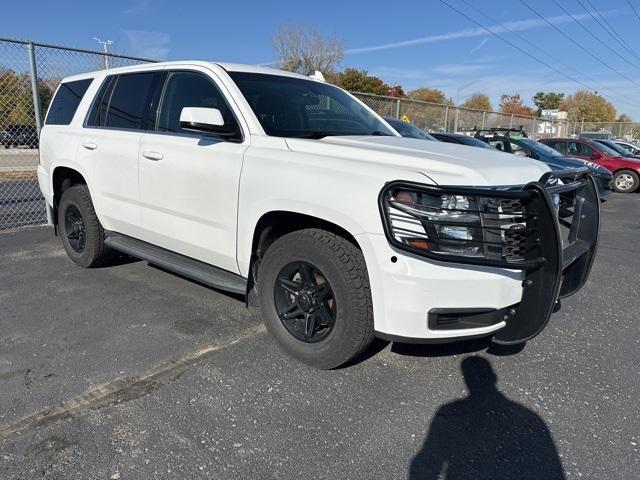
column 405, row 118
column 551, row 113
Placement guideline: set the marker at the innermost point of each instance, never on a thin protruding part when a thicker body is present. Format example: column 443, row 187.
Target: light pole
column 105, row 44
column 460, row 89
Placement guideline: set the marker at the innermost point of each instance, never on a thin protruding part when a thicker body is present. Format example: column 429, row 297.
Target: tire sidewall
column 336, row 348
column 635, row 177
column 74, row 196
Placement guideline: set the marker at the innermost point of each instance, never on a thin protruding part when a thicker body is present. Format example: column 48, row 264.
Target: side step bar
column 188, row 267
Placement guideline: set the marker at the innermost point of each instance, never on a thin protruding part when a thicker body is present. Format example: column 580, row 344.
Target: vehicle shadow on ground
column 486, row 436
column 456, row 348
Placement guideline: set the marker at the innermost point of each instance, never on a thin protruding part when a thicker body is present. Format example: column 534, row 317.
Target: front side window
column 295, row 107
column 580, row 149
column 130, row 101
column 559, row 145
column 190, row 89
column 65, row 103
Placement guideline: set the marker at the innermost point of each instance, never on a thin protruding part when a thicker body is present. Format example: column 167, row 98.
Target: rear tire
column 80, row 230
column 328, row 320
column 625, row 181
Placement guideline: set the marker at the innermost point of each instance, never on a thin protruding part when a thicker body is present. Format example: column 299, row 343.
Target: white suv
column 251, row 179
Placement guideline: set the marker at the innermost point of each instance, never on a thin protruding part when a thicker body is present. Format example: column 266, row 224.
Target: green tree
column 547, row 100
column 588, row 106
column 16, row 98
column 478, row 101
column 514, row 105
column 356, row 80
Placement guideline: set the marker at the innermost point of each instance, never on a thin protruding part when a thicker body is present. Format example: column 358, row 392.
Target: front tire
column 81, row 232
column 315, row 299
column 625, row 181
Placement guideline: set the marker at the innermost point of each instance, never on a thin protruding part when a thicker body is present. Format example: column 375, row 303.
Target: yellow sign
column 405, row 118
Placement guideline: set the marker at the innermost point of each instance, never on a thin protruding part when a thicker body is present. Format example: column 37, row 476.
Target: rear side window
column 98, row 113
column 130, row 101
column 65, row 103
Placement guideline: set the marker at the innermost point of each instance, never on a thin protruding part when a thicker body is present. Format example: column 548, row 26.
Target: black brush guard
column 563, row 218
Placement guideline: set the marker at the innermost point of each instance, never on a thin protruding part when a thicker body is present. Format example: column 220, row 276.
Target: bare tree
column 302, row 49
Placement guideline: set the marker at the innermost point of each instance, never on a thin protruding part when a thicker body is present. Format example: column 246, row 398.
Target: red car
column 626, row 171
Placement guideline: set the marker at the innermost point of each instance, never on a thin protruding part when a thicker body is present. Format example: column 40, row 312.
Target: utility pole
column 105, row 47
column 460, row 89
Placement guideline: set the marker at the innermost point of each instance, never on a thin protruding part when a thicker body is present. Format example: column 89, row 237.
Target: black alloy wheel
column 305, row 302
column 75, row 228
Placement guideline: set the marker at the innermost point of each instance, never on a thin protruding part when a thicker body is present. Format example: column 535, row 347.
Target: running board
column 194, row 269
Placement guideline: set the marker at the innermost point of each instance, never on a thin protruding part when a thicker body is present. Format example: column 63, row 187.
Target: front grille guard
column 556, row 249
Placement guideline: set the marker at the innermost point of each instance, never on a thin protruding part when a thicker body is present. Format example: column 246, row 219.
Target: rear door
column 189, row 180
column 110, row 143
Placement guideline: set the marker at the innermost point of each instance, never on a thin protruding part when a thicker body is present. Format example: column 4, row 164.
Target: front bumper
column 429, row 300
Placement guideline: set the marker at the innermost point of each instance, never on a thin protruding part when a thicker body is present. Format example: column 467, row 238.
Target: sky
column 411, row 43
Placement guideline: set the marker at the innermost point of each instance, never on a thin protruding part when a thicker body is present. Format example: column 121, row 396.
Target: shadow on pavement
column 486, row 436
column 456, row 348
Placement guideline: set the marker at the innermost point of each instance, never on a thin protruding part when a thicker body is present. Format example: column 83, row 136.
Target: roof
column 229, row 67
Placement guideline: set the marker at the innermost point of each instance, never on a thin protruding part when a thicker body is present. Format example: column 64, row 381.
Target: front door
column 188, row 180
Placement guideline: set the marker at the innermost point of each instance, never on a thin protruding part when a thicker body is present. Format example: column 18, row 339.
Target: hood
column 443, row 163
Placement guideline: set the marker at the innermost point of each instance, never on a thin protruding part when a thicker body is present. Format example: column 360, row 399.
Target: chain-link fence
column 29, row 75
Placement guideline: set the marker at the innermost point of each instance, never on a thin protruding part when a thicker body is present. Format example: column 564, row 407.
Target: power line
column 634, row 9
column 598, row 59
column 521, row 50
column 610, row 30
column 600, row 41
column 528, row 42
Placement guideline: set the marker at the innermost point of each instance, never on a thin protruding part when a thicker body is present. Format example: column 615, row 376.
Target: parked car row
column 19, row 136
column 613, row 164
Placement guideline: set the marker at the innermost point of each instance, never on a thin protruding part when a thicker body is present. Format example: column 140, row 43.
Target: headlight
column 454, row 224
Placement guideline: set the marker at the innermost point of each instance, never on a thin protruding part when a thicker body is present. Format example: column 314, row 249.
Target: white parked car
column 251, row 179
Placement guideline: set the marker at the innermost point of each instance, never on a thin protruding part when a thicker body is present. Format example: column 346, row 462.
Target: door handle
column 151, row 155
column 90, row 145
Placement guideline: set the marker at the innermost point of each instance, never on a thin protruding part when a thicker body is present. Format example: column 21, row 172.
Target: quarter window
column 190, row 89
column 64, row 105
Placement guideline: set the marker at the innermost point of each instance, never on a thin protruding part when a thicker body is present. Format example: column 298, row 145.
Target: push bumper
column 423, row 300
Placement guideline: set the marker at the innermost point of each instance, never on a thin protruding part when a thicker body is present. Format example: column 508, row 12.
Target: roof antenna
column 317, row 75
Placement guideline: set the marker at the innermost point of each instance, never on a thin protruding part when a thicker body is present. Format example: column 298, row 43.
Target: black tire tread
column 98, row 254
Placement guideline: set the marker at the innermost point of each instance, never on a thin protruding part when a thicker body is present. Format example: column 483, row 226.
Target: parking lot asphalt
column 131, row 372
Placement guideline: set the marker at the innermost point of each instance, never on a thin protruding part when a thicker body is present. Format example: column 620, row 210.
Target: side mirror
column 208, row 120
column 596, row 155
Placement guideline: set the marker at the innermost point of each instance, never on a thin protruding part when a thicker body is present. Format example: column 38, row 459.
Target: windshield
column 294, row 107
column 541, row 148
column 407, row 130
column 606, row 150
column 618, row 148
column 474, row 142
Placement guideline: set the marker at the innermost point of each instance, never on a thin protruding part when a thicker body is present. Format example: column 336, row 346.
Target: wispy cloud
column 144, row 43
column 517, row 25
column 479, row 46
column 137, row 7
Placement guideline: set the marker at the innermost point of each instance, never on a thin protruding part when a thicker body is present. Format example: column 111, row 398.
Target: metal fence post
column 33, row 74
column 398, row 108
column 511, row 121
column 484, row 116
column 455, row 120
column 533, row 127
column 446, row 118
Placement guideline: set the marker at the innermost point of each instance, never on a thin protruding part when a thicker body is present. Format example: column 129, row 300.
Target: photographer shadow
column 486, row 436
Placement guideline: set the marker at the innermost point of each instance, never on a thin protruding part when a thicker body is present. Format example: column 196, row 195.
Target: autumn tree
column 478, row 101
column 547, row 100
column 624, row 118
column 588, row 106
column 302, row 49
column 431, row 95
column 16, row 99
column 514, row 105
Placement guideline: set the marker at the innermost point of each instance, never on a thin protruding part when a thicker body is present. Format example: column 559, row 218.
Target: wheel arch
column 276, row 223
column 63, row 178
